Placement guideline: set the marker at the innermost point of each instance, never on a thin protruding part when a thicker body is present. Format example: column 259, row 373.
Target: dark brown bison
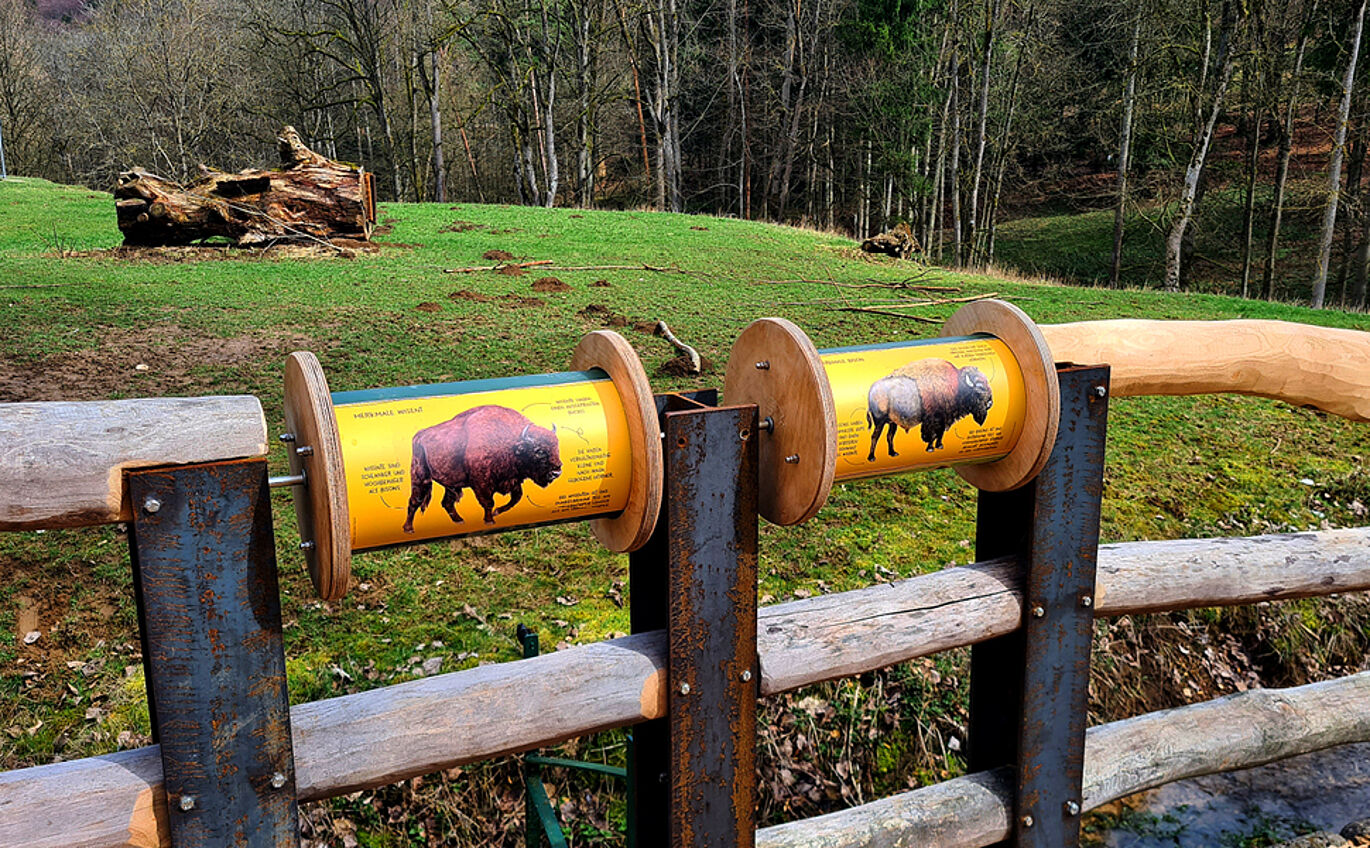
column 930, row 392
column 488, row 449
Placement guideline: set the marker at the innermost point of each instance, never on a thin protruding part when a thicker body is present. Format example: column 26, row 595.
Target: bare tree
column 1184, row 213
column 1329, row 219
column 1125, row 143
column 1285, row 150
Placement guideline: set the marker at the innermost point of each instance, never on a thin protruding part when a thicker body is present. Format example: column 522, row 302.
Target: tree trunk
column 1282, row 167
column 435, row 115
column 1174, row 241
column 312, row 198
column 954, row 178
column 982, row 133
column 1125, row 148
column 1329, row 218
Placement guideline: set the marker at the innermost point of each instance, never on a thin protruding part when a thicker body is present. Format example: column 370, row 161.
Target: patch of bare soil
column 497, row 255
column 600, row 284
column 429, row 306
column 647, row 327
column 550, row 284
column 511, row 271
column 151, row 361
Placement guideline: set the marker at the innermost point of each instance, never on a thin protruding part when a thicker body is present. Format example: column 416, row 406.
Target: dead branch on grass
column 499, row 266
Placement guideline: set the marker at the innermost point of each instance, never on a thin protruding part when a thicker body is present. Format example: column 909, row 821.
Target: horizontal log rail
column 62, row 463
column 384, row 735
column 1237, row 731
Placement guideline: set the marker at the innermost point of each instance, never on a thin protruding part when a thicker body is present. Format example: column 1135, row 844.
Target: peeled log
column 310, row 198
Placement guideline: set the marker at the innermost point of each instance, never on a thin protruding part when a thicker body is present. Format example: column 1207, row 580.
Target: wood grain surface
column 62, row 463
column 1321, row 367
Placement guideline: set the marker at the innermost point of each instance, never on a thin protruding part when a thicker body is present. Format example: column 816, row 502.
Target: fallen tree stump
column 898, row 242
column 310, row 198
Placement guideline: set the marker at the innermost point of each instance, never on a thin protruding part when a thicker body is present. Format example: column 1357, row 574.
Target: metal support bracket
column 205, row 574
column 692, row 776
column 1029, row 690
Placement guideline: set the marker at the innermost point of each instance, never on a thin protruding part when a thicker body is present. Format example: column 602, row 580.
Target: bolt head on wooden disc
column 611, row 353
column 774, row 365
column 1042, row 408
column 321, row 506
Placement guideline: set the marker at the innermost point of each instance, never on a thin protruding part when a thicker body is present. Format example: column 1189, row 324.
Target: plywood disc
column 774, row 365
column 321, row 508
column 1014, row 328
column 611, row 353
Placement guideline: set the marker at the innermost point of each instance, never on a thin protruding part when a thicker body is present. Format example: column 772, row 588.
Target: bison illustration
column 488, row 449
column 930, row 392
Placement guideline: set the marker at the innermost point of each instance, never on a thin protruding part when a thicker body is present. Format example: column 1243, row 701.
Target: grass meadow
column 84, row 320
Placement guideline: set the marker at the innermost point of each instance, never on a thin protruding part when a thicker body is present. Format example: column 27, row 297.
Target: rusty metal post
column 649, row 752
column 711, row 503
column 1030, row 690
column 205, row 571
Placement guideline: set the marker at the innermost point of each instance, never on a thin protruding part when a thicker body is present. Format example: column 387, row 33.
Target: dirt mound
column 497, row 255
column 604, row 315
column 680, row 367
column 467, row 294
column 461, row 227
column 429, row 306
column 550, row 284
column 600, row 284
column 648, row 327
column 512, row 271
column 164, row 359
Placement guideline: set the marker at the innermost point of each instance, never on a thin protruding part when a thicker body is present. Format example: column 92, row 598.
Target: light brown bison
column 932, row 393
column 488, row 449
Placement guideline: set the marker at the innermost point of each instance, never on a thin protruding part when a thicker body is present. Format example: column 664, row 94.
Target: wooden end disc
column 774, row 365
column 1042, row 408
column 611, row 353
column 321, row 509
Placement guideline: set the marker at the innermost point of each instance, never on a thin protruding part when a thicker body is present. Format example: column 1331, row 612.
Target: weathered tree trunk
column 1329, row 217
column 311, row 198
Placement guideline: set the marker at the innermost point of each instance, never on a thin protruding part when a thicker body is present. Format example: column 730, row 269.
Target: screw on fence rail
column 210, row 620
column 1029, row 689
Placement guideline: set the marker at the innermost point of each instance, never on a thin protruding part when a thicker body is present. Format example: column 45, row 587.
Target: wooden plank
column 1299, row 364
column 62, row 463
column 1238, row 731
column 384, row 735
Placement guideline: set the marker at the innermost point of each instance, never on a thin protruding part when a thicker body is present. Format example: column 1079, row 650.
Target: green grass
column 77, row 321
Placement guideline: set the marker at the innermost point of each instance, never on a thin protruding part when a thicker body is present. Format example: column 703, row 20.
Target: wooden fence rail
column 380, row 736
column 1238, row 731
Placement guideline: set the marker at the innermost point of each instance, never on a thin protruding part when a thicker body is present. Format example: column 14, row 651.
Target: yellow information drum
column 983, row 398
column 393, row 466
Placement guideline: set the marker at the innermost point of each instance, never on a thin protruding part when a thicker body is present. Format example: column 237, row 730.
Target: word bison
column 488, row 449
column 932, row 393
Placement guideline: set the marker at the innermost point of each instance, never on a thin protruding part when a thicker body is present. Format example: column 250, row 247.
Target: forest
column 949, row 116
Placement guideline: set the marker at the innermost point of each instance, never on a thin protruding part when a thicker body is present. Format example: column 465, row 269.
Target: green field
column 83, row 321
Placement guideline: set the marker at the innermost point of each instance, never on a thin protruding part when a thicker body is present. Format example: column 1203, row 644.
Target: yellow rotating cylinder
column 982, row 398
column 394, row 466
